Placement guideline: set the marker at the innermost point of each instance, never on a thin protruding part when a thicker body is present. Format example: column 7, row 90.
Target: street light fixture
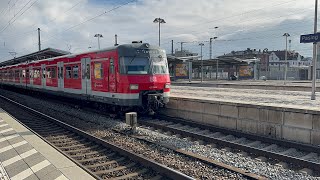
column 98, row 36
column 201, row 44
column 160, row 21
column 211, row 46
column 286, row 58
column 215, row 28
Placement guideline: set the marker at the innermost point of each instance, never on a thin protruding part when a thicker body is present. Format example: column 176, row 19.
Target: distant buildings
column 277, row 58
column 272, row 63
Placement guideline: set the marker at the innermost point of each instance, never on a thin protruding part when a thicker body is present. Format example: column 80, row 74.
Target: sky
column 71, row 24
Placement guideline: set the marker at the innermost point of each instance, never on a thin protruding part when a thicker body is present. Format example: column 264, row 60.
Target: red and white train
column 126, row 76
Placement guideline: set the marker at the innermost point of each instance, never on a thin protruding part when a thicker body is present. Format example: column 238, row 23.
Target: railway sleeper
column 157, row 177
column 96, row 158
column 62, row 136
column 76, row 156
column 91, row 148
column 60, row 140
column 106, row 163
column 119, row 168
column 76, row 145
column 53, row 133
column 45, row 127
column 131, row 175
column 68, row 142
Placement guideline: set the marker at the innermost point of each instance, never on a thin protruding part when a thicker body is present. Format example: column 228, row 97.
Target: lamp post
column 211, row 46
column 201, row 44
column 160, row 21
column 286, row 58
column 98, row 36
column 314, row 62
column 215, row 28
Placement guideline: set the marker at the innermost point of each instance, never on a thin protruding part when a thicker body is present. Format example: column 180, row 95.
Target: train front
column 144, row 71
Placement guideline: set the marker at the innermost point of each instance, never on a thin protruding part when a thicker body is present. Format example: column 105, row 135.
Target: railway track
column 98, row 157
column 284, row 153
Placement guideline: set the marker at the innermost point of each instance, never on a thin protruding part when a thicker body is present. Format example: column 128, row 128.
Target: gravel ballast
column 99, row 125
column 161, row 154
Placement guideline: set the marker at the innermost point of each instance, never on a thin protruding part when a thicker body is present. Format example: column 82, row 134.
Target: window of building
column 98, row 71
column 68, row 72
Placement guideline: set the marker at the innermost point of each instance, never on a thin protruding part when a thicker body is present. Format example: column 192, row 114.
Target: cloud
column 242, row 24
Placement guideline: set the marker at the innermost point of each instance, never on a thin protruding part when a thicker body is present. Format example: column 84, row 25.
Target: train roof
column 55, row 53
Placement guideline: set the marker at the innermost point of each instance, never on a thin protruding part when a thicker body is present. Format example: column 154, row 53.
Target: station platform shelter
column 219, row 68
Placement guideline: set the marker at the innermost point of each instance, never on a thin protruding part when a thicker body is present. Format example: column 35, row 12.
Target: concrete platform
column 278, row 114
column 23, row 155
column 251, row 84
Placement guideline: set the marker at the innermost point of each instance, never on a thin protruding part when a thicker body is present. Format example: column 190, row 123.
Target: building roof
column 291, row 55
column 42, row 54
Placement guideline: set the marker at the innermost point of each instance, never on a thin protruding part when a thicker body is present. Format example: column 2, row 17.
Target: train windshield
column 143, row 65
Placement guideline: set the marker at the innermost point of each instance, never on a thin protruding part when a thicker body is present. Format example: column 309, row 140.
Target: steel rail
column 234, row 145
column 162, row 169
column 284, row 143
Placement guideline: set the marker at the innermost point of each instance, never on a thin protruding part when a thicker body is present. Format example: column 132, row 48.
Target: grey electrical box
column 131, row 120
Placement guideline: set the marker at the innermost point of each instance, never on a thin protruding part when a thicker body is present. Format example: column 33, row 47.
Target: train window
column 68, row 72
column 27, row 74
column 23, row 73
column 36, row 73
column 111, row 66
column 61, row 72
column 30, row 73
column 88, row 71
column 75, row 71
column 44, row 72
column 48, row 73
column 98, row 71
column 16, row 74
column 134, row 65
column 53, row 72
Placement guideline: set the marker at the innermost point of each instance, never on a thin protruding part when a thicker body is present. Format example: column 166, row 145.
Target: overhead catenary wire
column 12, row 20
column 239, row 14
column 65, row 12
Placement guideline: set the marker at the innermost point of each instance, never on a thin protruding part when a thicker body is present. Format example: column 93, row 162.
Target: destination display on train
column 149, row 51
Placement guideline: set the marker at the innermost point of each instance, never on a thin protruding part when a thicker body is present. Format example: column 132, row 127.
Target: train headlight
column 134, row 86
column 167, row 86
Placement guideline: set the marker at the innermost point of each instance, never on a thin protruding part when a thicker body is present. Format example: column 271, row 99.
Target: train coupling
column 155, row 101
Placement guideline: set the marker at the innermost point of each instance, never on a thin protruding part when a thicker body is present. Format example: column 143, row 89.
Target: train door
column 43, row 76
column 86, row 75
column 60, row 76
column 20, row 75
column 30, row 76
column 112, row 76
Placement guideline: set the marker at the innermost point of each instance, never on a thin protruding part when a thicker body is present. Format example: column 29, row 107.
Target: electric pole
column 39, row 42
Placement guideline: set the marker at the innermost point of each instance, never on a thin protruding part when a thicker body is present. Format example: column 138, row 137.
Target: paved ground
column 251, row 82
column 23, row 155
column 278, row 98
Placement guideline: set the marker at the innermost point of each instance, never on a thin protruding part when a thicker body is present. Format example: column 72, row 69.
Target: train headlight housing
column 134, row 86
column 167, row 86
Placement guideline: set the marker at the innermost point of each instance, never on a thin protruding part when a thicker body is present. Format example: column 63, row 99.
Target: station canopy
column 42, row 54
